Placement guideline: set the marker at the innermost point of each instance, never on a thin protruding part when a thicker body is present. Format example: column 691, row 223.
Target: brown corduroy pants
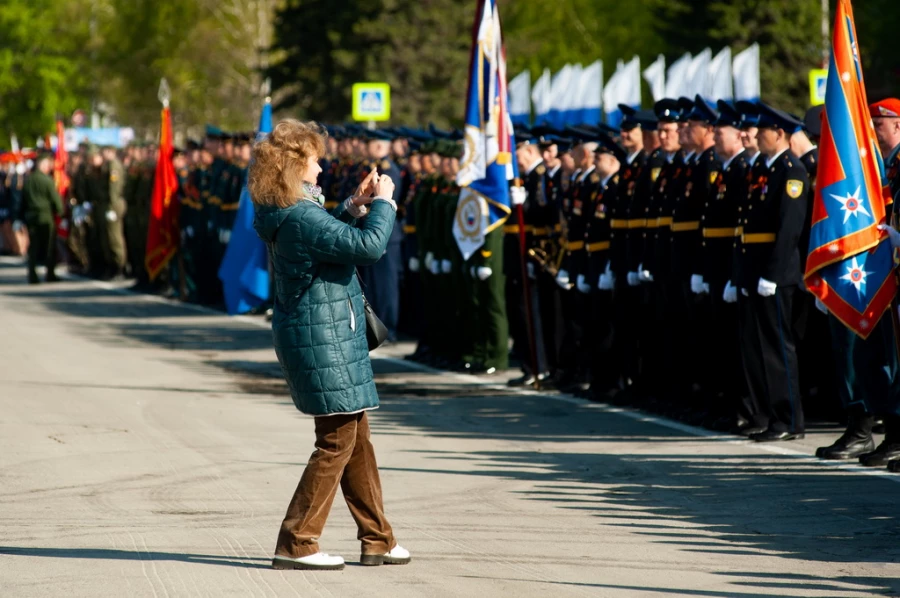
column 344, row 455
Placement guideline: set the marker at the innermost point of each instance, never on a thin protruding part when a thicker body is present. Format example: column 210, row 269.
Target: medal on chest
column 600, row 210
column 576, row 208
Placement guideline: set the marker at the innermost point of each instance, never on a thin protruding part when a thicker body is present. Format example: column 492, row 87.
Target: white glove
column 517, row 196
column 429, row 259
column 766, row 288
column 413, row 264
column 111, row 216
column 18, row 225
column 892, row 233
column 582, row 285
column 607, row 282
column 64, row 224
column 821, row 306
column 730, row 293
column 706, row 288
column 435, row 267
column 224, row 236
column 644, row 275
column 745, row 293
column 562, row 279
column 633, row 279
column 20, row 169
column 446, row 266
column 483, row 273
column 696, row 284
column 87, row 207
column 529, row 268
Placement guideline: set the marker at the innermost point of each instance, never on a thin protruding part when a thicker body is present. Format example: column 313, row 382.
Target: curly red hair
column 279, row 162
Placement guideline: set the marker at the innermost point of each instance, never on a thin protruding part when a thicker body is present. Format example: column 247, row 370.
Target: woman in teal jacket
column 320, row 339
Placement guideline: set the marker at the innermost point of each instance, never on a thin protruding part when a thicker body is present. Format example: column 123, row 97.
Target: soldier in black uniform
column 770, row 275
column 534, row 205
column 719, row 227
column 865, row 391
column 654, row 265
column 382, row 280
column 689, row 308
column 604, row 367
column 624, row 231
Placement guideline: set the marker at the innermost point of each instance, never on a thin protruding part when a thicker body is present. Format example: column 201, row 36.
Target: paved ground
column 149, row 449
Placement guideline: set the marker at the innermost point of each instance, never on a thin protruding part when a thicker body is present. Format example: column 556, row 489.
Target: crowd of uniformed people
column 662, row 260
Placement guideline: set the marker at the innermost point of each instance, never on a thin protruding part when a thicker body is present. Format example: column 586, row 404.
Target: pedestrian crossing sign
column 371, row 101
column 818, row 80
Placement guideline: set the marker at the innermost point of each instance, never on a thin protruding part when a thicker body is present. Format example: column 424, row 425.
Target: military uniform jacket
column 659, row 216
column 688, row 212
column 577, row 213
column 598, row 233
column 535, row 219
column 773, row 222
column 637, row 208
column 620, row 215
column 720, row 220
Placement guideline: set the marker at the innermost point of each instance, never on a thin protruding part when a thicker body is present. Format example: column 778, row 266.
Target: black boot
column 889, row 449
column 855, row 441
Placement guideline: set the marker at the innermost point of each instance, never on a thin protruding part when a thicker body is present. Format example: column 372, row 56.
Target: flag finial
column 267, row 90
column 164, row 92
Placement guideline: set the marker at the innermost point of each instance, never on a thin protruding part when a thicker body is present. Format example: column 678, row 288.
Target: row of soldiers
column 664, row 258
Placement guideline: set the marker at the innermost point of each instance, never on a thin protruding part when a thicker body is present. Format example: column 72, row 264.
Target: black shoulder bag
column 376, row 331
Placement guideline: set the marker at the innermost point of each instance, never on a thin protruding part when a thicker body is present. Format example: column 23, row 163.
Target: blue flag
column 487, row 165
column 244, row 271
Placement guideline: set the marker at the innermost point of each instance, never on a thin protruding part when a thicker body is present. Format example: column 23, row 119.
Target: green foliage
column 42, row 65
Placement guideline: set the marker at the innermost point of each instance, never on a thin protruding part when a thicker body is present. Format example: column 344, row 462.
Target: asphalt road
column 149, row 448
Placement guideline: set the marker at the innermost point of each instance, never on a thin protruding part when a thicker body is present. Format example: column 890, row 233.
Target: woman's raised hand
column 384, row 187
column 365, row 193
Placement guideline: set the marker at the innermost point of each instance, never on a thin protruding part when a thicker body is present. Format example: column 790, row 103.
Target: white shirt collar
column 728, row 162
column 770, row 161
column 632, row 157
column 752, row 159
column 531, row 168
column 575, row 174
column 689, row 157
column 606, row 180
column 552, row 173
column 670, row 157
column 585, row 174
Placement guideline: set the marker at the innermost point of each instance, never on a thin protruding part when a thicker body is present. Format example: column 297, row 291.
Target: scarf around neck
column 314, row 193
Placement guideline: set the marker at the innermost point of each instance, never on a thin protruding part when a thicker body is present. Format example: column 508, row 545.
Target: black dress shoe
column 848, row 446
column 880, row 457
column 749, row 430
column 524, row 380
column 775, row 436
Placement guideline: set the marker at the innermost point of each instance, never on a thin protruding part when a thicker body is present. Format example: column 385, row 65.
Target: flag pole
column 526, row 290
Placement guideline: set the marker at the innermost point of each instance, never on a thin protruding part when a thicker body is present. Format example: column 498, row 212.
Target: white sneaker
column 397, row 556
column 320, row 560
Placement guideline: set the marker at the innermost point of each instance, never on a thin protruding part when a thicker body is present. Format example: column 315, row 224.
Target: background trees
column 59, row 55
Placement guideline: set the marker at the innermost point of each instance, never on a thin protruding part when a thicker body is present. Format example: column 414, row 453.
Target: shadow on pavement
column 129, row 555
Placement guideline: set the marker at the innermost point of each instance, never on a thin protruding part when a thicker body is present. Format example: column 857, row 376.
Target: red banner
column 163, row 235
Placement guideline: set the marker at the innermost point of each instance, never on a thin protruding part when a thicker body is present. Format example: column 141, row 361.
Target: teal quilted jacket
column 319, row 324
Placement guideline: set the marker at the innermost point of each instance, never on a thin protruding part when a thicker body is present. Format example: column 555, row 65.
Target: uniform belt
column 758, row 238
column 541, row 232
column 230, row 206
column 409, row 229
column 618, row 224
column 598, row 246
column 574, row 245
column 513, row 229
column 637, row 223
column 682, row 227
column 720, row 233
column 651, row 223
column 664, row 221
